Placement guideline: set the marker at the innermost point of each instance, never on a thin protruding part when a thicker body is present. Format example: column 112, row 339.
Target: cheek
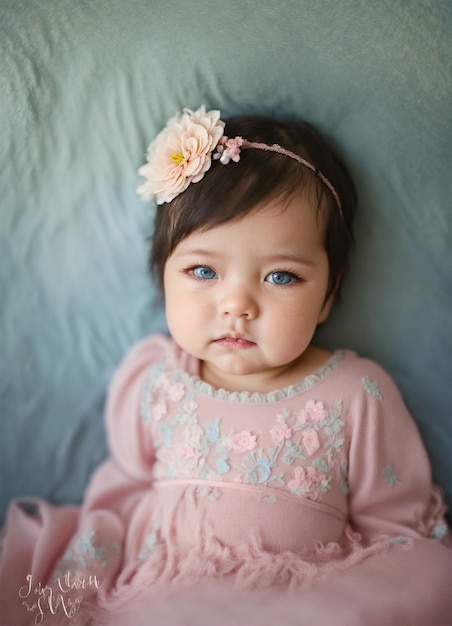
column 184, row 314
column 292, row 327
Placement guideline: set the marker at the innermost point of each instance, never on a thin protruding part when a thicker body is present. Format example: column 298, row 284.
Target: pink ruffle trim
column 245, row 567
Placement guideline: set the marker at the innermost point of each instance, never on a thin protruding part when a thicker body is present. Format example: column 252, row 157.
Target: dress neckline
column 193, row 381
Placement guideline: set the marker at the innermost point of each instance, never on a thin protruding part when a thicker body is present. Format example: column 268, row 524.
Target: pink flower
column 243, row 442
column 190, row 406
column 228, row 150
column 313, row 412
column 187, row 452
column 176, row 392
column 305, row 479
column 310, row 441
column 159, row 410
column 280, row 433
column 193, row 434
column 181, row 154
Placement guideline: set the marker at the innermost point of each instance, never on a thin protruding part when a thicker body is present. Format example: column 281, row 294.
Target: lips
column 234, row 343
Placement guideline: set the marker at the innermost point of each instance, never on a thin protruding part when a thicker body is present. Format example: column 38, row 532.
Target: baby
column 241, row 453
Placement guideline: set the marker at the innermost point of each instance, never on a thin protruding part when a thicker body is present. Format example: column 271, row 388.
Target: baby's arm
column 128, row 471
column 390, row 483
column 391, row 493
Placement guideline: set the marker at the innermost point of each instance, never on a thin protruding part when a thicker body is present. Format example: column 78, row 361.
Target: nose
column 238, row 303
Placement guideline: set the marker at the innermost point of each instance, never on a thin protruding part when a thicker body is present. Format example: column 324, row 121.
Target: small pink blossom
column 305, row 479
column 228, row 150
column 193, row 434
column 159, row 410
column 280, row 433
column 190, row 407
column 313, row 412
column 187, row 452
column 310, row 441
column 243, row 442
column 162, row 382
column 176, row 392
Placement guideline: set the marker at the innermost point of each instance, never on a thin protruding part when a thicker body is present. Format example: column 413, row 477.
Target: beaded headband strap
column 183, row 151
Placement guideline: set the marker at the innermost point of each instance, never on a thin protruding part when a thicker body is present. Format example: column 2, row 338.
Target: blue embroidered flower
column 222, row 465
column 258, row 470
column 150, row 542
column 167, row 432
column 213, row 431
column 372, row 388
column 389, row 477
column 439, row 531
column 86, row 555
column 397, row 541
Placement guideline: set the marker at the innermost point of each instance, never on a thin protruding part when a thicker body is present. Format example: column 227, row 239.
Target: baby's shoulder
column 151, row 349
column 142, row 356
column 359, row 376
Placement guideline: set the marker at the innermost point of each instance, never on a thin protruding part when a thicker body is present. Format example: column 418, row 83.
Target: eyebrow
column 268, row 258
column 284, row 257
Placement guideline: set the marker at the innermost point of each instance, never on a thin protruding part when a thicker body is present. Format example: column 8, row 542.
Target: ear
column 328, row 304
column 326, row 308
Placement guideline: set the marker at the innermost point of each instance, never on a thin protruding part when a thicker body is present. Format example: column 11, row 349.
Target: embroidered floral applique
column 299, row 452
column 86, row 553
column 280, row 433
column 396, row 541
column 257, row 468
column 309, row 481
column 312, row 436
column 243, row 441
column 313, row 412
column 310, row 441
column 150, row 542
column 213, row 493
column 372, row 388
column 389, row 477
column 439, row 531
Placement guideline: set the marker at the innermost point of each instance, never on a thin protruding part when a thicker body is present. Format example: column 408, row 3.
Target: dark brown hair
column 228, row 192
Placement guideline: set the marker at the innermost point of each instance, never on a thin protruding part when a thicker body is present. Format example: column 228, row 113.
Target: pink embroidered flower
column 310, row 441
column 159, row 410
column 162, row 382
column 180, row 154
column 280, row 433
column 190, row 407
column 176, row 392
column 306, row 479
column 313, row 412
column 187, row 452
column 243, row 442
column 193, row 434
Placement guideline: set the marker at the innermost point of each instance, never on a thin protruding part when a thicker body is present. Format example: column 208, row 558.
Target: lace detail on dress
column 247, row 397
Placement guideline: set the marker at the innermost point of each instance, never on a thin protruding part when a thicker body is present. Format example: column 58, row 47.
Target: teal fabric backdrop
column 86, row 84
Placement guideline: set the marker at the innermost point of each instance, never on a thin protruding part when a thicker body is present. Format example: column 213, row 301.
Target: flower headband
column 183, row 151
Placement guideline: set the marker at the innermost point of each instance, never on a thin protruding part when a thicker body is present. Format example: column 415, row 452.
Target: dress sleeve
column 390, row 485
column 129, row 439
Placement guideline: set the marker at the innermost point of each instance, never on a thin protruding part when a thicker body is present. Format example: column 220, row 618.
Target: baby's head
column 228, row 192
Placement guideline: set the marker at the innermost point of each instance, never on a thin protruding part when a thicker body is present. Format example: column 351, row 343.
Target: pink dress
column 276, row 490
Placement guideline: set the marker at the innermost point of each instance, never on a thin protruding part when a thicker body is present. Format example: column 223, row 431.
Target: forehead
column 273, row 225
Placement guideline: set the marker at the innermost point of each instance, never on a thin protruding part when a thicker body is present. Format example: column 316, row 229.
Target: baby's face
column 245, row 297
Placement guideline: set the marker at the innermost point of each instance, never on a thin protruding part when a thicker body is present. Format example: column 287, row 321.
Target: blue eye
column 202, row 272
column 281, row 278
